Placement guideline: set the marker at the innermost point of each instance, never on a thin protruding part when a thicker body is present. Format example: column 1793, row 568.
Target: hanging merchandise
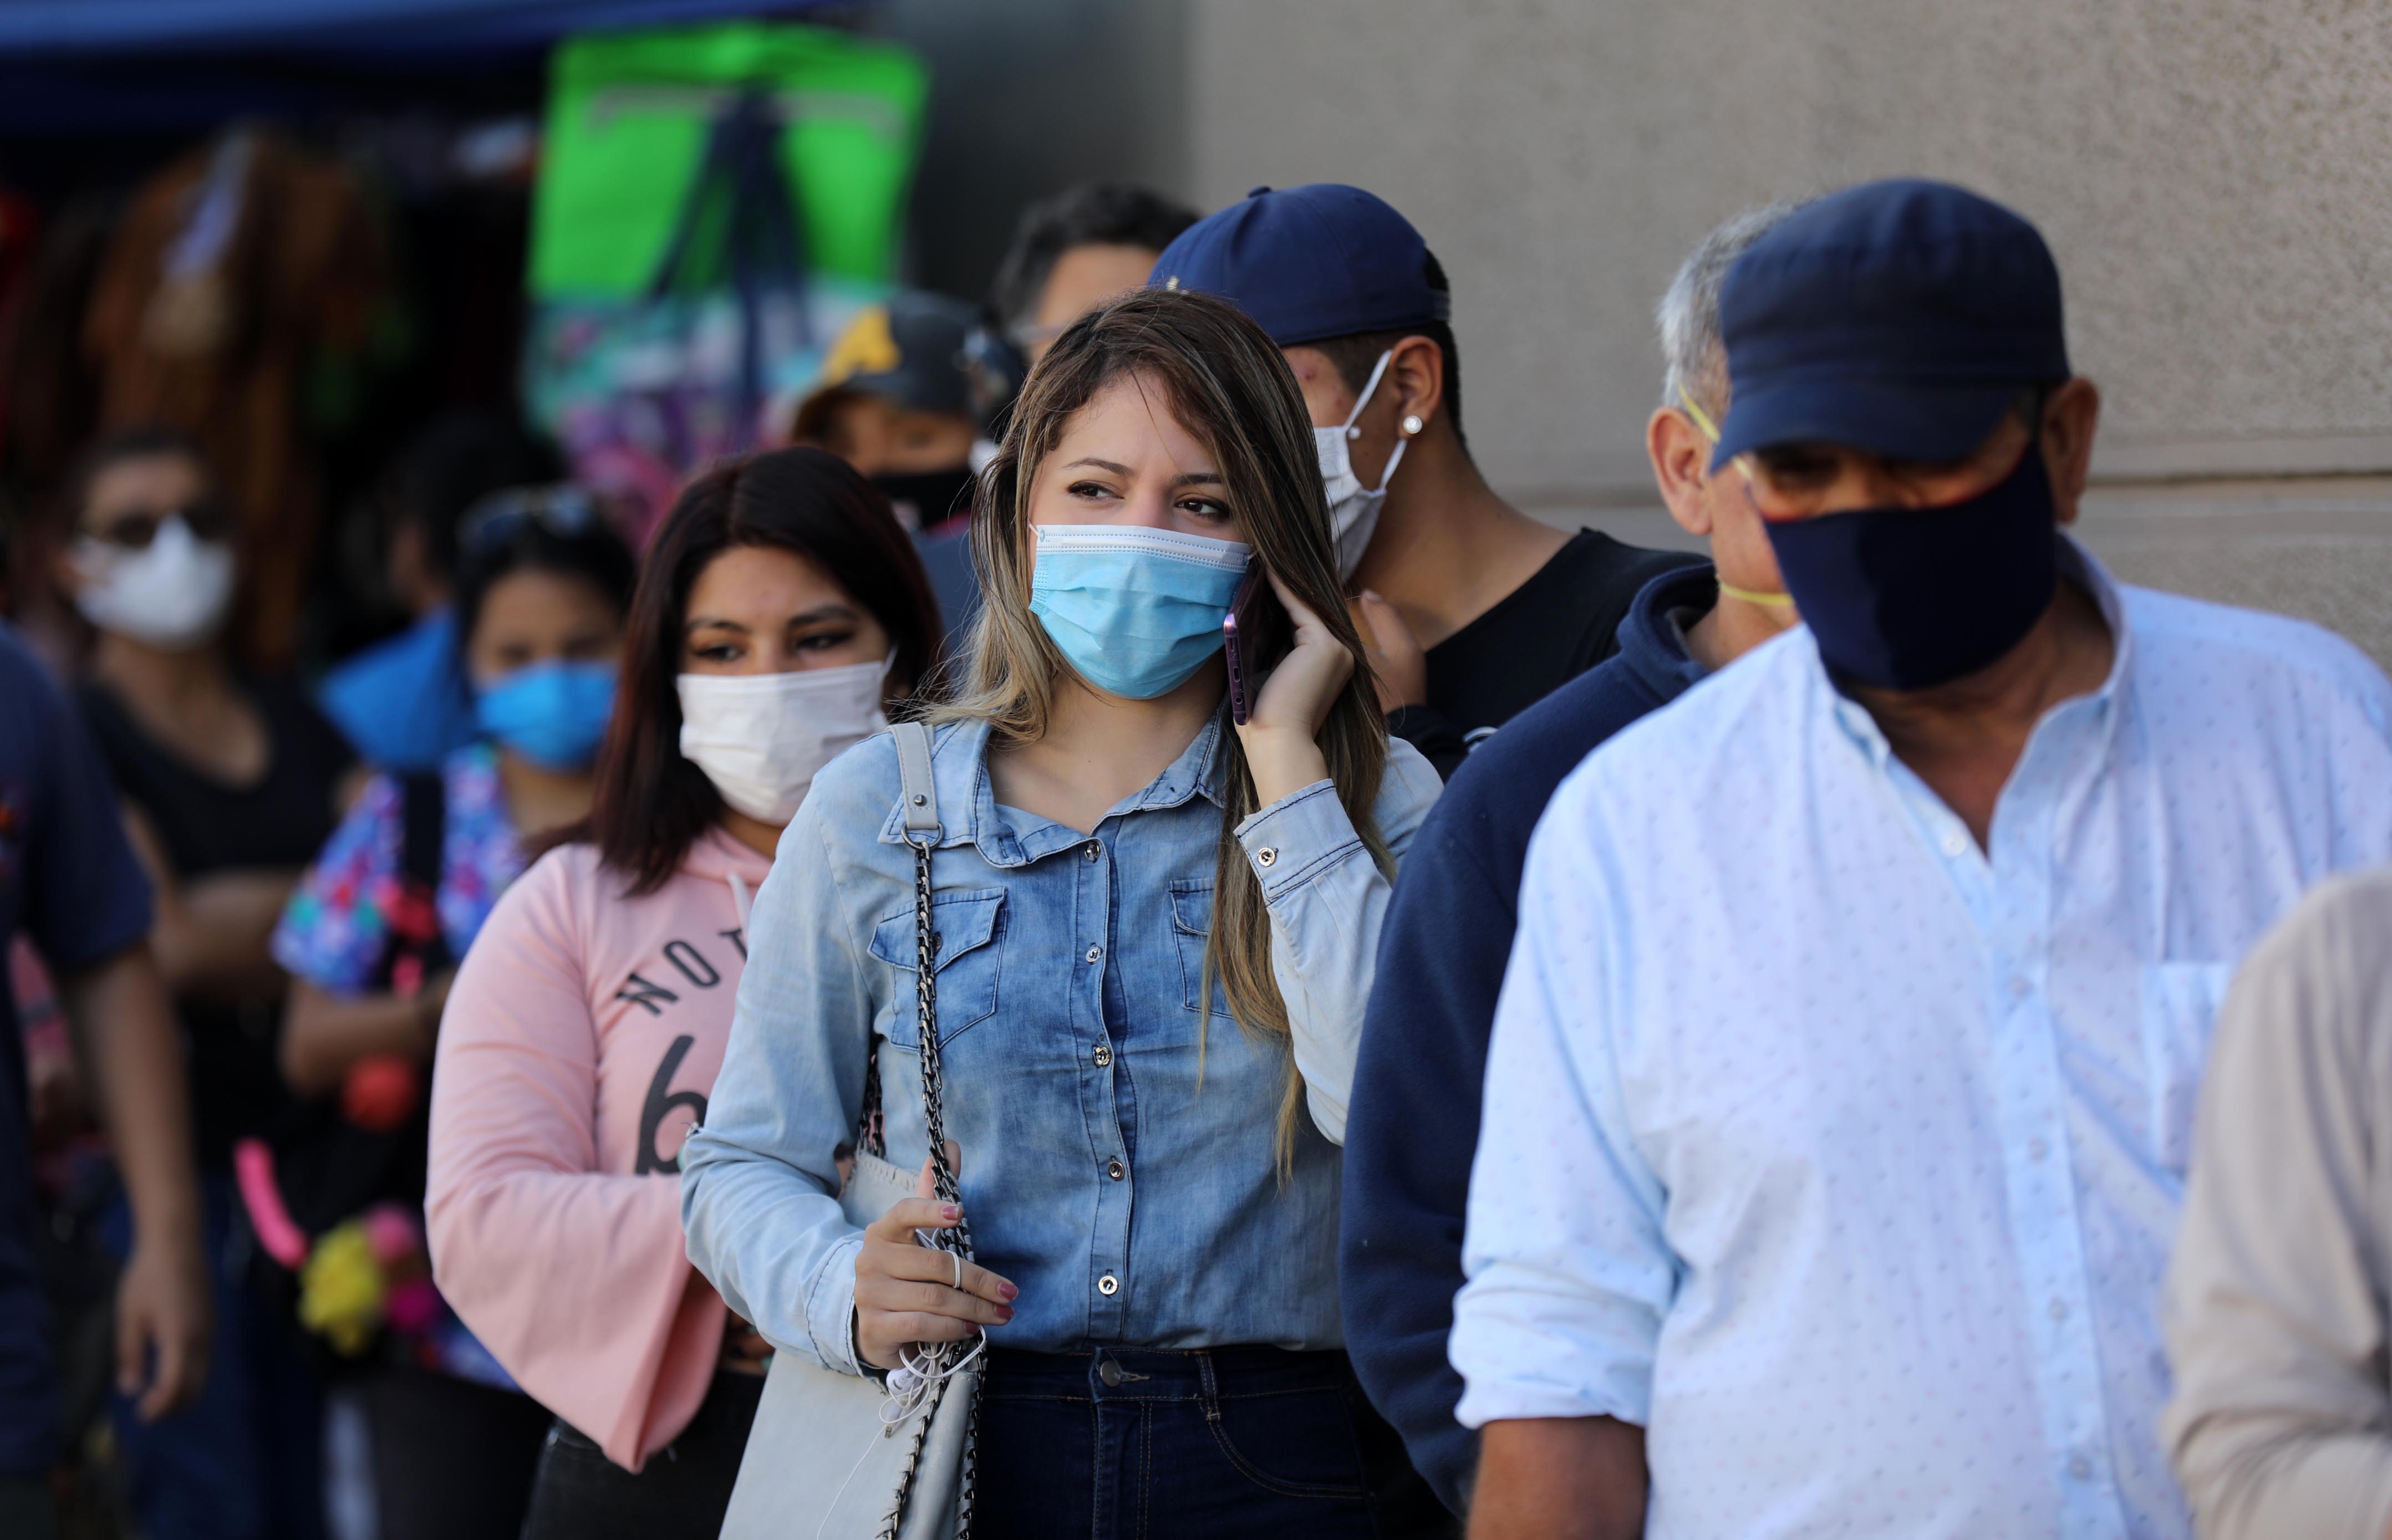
column 240, row 280
column 714, row 203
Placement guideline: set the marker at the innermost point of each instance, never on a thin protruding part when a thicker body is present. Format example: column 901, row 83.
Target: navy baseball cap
column 1308, row 264
column 1899, row 318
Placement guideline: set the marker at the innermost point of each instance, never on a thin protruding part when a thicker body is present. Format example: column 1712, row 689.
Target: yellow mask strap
column 1775, row 600
column 1702, row 419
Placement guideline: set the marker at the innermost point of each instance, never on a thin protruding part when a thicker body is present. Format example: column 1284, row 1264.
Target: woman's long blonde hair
column 1228, row 386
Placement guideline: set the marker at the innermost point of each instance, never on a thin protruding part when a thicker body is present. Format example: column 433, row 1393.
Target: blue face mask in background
column 1135, row 610
column 552, row 714
column 1911, row 598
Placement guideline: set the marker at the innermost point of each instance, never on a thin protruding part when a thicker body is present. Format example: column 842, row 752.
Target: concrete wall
column 2213, row 175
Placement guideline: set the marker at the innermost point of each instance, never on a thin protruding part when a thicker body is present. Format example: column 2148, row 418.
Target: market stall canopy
column 116, row 67
column 421, row 27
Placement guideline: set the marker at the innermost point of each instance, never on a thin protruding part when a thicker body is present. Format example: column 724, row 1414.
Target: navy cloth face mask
column 1911, row 598
column 552, row 714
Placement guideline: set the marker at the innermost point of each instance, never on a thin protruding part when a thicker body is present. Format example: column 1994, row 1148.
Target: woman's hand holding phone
column 1281, row 733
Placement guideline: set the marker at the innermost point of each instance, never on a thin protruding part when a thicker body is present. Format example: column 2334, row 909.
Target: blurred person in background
column 403, row 702
column 1075, row 250
column 2282, row 1420
column 69, row 882
column 905, row 396
column 1475, row 610
column 780, row 611
column 1184, row 915
column 229, row 782
column 1423, row 1062
column 372, row 938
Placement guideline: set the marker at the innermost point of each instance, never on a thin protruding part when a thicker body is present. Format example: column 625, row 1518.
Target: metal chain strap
column 949, row 1190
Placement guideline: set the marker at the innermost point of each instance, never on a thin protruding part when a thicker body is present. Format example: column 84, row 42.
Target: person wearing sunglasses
column 227, row 782
column 371, row 939
column 1841, row 1086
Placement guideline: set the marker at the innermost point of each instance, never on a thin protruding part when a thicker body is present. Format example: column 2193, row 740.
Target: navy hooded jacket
column 1413, row 1126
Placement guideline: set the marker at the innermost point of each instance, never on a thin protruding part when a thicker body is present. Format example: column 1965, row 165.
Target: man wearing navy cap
column 1838, row 1103
column 1477, row 610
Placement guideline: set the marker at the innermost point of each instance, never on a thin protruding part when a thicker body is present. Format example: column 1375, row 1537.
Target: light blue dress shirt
column 1843, row 1156
column 1119, row 1149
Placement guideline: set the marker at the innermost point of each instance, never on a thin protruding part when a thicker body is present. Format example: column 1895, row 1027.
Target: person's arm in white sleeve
column 1328, row 899
column 2281, row 1421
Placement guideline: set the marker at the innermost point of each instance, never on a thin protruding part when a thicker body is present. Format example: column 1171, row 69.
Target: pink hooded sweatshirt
column 578, row 1044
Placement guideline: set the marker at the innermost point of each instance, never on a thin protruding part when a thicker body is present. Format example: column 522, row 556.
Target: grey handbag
column 821, row 1462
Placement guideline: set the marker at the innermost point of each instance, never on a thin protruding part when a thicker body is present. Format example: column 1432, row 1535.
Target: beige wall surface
column 2214, row 176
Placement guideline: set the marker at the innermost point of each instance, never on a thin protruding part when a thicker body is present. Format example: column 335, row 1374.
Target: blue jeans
column 1135, row 1443
column 245, row 1460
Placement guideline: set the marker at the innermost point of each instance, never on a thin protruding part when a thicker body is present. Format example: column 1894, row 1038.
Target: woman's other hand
column 907, row 1292
column 1282, row 735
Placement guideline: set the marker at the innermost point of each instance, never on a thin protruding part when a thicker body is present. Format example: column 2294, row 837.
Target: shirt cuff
column 830, row 1308
column 1297, row 838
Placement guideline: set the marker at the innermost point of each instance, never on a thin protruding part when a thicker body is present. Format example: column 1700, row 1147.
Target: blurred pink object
column 412, row 1307
column 393, row 1235
column 253, row 1170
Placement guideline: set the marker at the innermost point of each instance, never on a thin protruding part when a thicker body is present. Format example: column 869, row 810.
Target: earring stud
column 1412, row 424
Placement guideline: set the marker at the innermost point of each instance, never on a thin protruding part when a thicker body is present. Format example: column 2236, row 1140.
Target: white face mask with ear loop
column 762, row 738
column 171, row 594
column 1354, row 508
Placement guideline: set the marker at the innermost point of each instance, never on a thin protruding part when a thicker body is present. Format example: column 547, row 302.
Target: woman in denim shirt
column 1155, row 932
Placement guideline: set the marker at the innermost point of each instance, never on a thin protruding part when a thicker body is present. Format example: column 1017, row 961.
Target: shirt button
column 1267, row 856
column 2059, row 1309
column 2037, row 1150
column 1096, row 955
column 1109, row 1285
column 1104, row 1054
column 1092, row 851
column 2080, row 1468
column 1115, row 1170
column 1109, row 1371
column 1955, row 842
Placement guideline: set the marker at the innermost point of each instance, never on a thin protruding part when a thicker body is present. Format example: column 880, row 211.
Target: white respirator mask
column 171, row 594
column 1354, row 508
column 762, row 738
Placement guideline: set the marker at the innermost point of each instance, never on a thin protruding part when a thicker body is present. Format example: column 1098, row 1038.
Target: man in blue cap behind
column 1475, row 610
column 1838, row 1103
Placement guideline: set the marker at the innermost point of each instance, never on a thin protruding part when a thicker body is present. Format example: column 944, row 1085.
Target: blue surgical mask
column 1135, row 610
column 552, row 714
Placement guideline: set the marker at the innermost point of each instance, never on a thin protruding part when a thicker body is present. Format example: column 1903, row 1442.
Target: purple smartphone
column 1243, row 637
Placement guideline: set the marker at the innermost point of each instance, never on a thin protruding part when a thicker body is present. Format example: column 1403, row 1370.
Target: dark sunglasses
column 133, row 528
column 566, row 511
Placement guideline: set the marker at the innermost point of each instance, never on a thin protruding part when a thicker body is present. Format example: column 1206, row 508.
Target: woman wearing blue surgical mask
column 371, row 939
column 1153, row 931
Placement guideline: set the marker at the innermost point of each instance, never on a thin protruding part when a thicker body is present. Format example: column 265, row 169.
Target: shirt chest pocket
column 967, row 932
column 2180, row 1008
column 1192, row 922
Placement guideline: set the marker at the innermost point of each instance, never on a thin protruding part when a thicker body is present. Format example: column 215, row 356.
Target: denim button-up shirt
column 1119, row 1155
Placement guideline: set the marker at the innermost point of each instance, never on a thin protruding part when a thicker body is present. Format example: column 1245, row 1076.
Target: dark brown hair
column 651, row 804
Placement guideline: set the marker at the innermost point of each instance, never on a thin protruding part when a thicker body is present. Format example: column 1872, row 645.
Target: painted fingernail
column 951, row 1212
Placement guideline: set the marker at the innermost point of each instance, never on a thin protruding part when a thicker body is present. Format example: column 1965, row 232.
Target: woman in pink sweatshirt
column 780, row 611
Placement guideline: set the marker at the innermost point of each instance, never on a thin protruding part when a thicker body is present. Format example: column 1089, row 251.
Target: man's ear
column 2069, row 420
column 1680, row 457
column 1415, row 378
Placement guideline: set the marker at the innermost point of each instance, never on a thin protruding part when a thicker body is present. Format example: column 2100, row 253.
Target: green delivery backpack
column 714, row 203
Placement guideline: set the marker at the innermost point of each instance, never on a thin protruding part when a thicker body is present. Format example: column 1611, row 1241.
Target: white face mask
column 762, row 738
column 1353, row 508
column 171, row 594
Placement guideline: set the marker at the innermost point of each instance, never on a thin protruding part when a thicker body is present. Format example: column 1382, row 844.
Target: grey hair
column 1688, row 314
